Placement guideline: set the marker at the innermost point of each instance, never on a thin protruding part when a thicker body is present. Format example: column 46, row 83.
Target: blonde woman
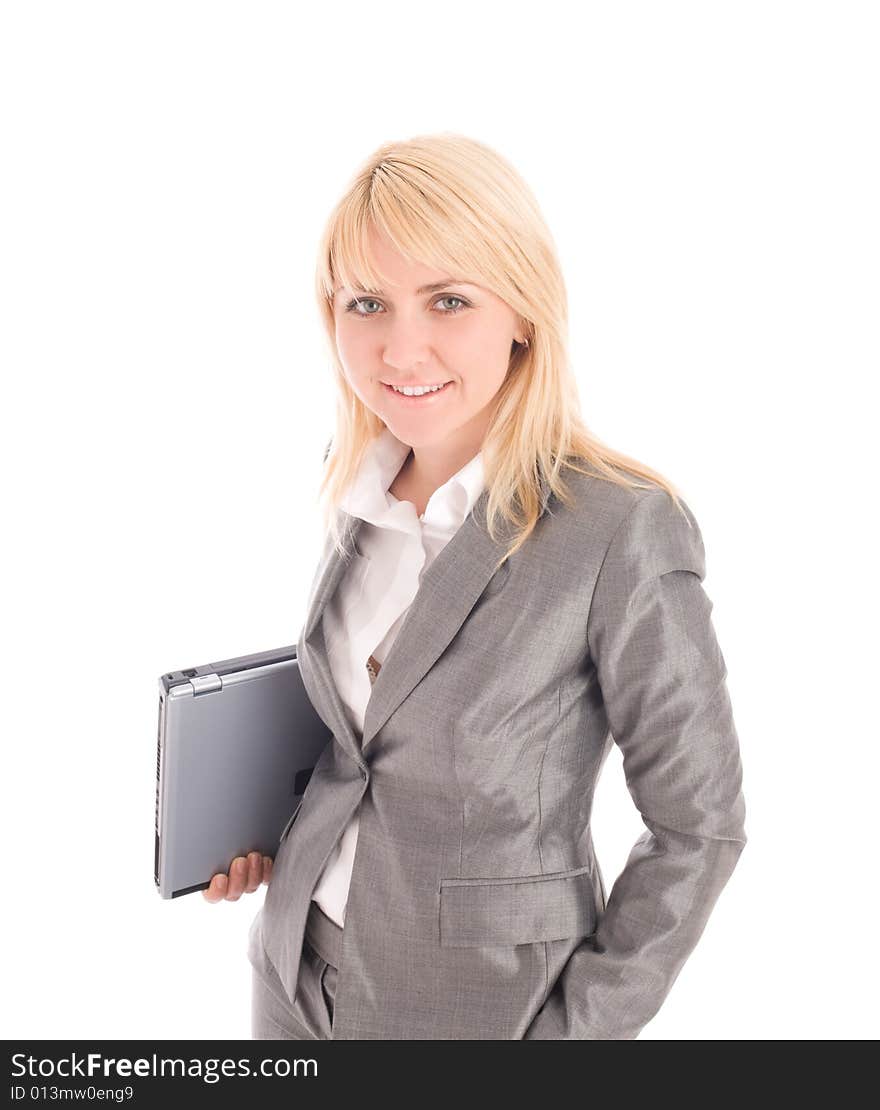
column 500, row 598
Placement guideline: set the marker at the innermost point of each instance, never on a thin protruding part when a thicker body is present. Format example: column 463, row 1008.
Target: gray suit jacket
column 477, row 908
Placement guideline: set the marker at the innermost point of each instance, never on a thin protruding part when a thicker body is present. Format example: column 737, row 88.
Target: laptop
column 238, row 741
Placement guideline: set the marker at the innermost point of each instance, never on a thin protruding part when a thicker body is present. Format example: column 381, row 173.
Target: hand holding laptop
column 245, row 876
column 237, row 744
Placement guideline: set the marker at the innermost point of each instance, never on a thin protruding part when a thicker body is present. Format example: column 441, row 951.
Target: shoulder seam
column 644, row 494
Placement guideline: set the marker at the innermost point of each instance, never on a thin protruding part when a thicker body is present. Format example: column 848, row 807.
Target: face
column 455, row 334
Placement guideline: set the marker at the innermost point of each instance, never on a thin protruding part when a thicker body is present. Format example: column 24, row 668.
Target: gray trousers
column 310, row 1018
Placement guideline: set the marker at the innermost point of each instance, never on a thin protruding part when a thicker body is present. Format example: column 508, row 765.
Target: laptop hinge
column 206, row 684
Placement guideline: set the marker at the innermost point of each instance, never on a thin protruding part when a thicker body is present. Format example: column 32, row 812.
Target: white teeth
column 418, row 390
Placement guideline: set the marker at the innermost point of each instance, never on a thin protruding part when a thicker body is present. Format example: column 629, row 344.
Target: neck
column 428, row 468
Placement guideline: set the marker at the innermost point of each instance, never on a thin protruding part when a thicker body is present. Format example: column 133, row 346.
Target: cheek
column 353, row 353
column 484, row 365
column 346, row 340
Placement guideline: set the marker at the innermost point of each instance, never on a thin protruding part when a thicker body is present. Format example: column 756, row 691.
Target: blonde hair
column 451, row 202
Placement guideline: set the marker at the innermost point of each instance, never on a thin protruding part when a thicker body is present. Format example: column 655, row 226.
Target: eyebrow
column 431, row 288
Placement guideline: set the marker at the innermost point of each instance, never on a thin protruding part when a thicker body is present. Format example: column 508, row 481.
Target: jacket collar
column 449, row 589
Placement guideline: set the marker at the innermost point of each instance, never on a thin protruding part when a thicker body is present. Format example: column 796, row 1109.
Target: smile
column 416, row 393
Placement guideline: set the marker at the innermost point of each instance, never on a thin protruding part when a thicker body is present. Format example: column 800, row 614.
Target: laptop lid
column 237, row 744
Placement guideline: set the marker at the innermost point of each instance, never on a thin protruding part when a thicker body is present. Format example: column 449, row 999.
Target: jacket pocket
column 522, row 910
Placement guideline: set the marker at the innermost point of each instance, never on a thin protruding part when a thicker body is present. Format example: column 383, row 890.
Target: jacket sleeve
column 662, row 679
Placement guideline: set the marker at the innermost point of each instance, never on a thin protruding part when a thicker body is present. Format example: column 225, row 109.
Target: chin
column 423, row 437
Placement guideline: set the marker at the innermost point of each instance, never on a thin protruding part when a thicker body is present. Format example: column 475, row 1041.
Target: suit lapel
column 449, row 589
column 330, row 571
column 312, row 649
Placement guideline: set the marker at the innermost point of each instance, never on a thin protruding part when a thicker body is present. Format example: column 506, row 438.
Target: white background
column 710, row 174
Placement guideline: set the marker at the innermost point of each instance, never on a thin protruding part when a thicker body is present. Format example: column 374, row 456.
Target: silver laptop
column 238, row 741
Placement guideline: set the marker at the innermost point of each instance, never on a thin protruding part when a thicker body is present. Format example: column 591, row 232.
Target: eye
column 353, row 304
column 453, row 297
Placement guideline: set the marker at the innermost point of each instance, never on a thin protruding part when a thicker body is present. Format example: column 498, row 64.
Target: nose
column 407, row 343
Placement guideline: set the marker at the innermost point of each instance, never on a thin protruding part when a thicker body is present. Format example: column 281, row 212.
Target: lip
column 424, row 399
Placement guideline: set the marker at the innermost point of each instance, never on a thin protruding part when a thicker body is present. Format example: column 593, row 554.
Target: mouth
column 417, row 399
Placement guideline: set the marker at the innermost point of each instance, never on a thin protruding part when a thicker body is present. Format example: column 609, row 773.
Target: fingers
column 254, row 872
column 216, row 892
column 246, row 873
column 242, row 874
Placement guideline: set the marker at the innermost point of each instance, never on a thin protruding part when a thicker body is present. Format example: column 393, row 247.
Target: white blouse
column 363, row 617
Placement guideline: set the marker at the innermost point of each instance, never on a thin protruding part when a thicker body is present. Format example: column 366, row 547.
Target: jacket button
column 364, row 773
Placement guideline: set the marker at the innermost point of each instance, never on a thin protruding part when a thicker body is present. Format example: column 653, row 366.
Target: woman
column 500, row 597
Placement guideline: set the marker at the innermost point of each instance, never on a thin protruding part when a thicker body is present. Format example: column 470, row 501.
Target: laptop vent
column 158, row 789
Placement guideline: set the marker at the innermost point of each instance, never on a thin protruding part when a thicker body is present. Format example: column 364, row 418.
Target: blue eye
column 352, row 305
